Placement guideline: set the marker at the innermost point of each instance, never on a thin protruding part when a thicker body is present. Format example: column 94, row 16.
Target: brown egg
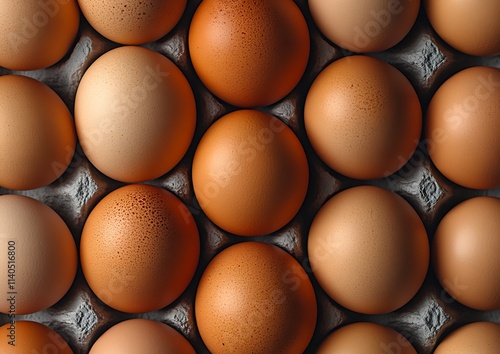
column 135, row 114
column 363, row 117
column 465, row 254
column 466, row 25
column 36, row 34
column 132, row 21
column 255, row 298
column 249, row 53
column 365, row 338
column 139, row 248
column 141, row 336
column 39, row 255
column 463, row 126
column 250, row 173
column 368, row 250
column 365, row 25
column 23, row 337
column 474, row 338
column 37, row 139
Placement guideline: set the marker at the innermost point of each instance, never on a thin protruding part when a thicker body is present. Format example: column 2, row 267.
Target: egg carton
column 80, row 317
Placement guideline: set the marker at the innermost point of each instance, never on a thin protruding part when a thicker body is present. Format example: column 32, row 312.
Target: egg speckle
column 363, row 117
column 255, row 298
column 473, row 338
column 249, row 53
column 139, row 248
column 133, row 22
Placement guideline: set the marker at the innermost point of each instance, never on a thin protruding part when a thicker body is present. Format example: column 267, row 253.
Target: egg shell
column 254, row 297
column 473, row 338
column 365, row 25
column 368, row 250
column 37, row 139
column 250, row 173
column 365, row 338
column 467, row 27
column 463, row 126
column 42, row 258
column 36, row 34
column 135, row 114
column 466, row 246
column 139, row 248
column 133, row 22
column 141, row 336
column 363, row 117
column 31, row 337
column 249, row 54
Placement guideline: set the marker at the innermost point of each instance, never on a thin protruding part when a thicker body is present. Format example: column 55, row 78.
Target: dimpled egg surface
column 133, row 21
column 36, row 34
column 250, row 173
column 135, row 114
column 249, row 53
column 255, row 298
column 473, row 338
column 139, row 248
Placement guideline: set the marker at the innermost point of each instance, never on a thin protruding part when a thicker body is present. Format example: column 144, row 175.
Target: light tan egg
column 39, row 255
column 135, row 114
column 365, row 338
column 473, row 338
column 465, row 253
column 139, row 248
column 37, row 139
column 141, row 336
column 365, row 25
column 254, row 297
column 36, row 34
column 466, row 25
column 133, row 21
column 368, row 250
column 463, row 126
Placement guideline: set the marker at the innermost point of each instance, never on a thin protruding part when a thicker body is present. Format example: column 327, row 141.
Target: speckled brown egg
column 363, row 117
column 365, row 25
column 31, row 337
column 368, row 250
column 249, row 53
column 37, row 135
column 139, row 248
column 133, row 21
column 365, row 338
column 467, row 25
column 141, row 336
column 473, row 338
column 135, row 114
column 463, row 126
column 36, row 34
column 39, row 255
column 255, row 298
column 250, row 173
column 465, row 253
